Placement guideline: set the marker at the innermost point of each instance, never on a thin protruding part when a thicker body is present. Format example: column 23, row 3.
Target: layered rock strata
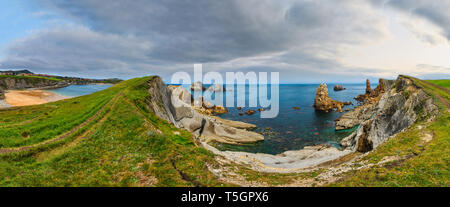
column 175, row 105
column 323, row 102
column 389, row 109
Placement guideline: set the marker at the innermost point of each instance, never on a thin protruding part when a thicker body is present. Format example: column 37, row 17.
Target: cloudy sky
column 307, row 41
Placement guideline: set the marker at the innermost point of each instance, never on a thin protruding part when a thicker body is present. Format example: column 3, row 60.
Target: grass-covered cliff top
column 108, row 138
column 443, row 83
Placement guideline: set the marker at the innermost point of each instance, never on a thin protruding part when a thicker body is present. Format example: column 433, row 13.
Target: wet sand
column 31, row 97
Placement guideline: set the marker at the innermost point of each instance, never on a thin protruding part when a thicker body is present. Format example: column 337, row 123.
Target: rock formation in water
column 368, row 88
column 323, row 102
column 197, row 86
column 367, row 108
column 338, row 88
column 390, row 108
column 174, row 104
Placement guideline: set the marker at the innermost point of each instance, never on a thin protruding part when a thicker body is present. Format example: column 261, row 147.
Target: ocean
column 294, row 129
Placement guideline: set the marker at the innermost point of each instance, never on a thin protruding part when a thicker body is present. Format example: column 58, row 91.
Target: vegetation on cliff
column 108, row 138
column 420, row 155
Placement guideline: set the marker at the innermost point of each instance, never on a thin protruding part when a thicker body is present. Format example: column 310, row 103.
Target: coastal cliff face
column 11, row 83
column 389, row 109
column 368, row 107
column 175, row 105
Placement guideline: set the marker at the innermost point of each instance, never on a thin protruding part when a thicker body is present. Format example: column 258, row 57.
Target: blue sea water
column 79, row 90
column 294, row 129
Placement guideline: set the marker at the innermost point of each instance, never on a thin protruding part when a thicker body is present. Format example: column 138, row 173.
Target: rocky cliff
column 2, row 94
column 19, row 83
column 392, row 107
column 175, row 105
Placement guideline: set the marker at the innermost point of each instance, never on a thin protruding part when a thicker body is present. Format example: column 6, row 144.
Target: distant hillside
column 15, row 72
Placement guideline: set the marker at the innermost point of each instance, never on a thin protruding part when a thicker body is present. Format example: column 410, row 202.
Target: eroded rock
column 400, row 105
column 323, row 102
column 338, row 88
column 174, row 105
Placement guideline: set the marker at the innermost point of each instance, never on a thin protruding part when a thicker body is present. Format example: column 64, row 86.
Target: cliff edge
column 392, row 107
column 175, row 105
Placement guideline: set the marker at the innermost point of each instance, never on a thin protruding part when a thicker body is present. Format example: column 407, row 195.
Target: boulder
column 220, row 110
column 250, row 112
column 168, row 103
column 323, row 102
column 338, row 88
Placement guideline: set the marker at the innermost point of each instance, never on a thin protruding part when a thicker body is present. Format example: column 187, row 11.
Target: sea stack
column 323, row 102
column 368, row 89
column 371, row 96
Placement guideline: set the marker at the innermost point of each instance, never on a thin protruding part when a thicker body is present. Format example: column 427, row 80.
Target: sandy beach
column 30, row 97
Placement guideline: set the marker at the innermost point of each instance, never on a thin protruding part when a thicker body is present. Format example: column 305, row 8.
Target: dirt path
column 61, row 137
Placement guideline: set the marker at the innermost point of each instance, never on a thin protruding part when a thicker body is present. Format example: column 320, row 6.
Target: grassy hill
column 442, row 83
column 110, row 138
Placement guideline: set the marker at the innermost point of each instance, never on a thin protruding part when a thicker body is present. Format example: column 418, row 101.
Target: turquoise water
column 294, row 129
column 79, row 90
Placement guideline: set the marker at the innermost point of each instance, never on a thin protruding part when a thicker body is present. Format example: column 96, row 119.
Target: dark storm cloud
column 435, row 11
column 127, row 37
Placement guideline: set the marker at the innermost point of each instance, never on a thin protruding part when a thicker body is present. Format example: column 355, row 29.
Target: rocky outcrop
column 323, row 102
column 2, row 94
column 389, row 109
column 197, row 86
column 19, row 83
column 338, row 88
column 366, row 109
column 217, row 88
column 174, row 104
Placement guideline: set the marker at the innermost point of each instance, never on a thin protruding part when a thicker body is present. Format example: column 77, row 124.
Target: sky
column 306, row 41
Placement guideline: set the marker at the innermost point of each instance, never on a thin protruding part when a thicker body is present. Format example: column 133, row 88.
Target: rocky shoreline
column 385, row 111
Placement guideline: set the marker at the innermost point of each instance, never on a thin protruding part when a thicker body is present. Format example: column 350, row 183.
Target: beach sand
column 31, row 97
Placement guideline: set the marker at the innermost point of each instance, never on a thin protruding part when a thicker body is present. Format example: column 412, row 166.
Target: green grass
column 425, row 164
column 122, row 147
column 444, row 83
